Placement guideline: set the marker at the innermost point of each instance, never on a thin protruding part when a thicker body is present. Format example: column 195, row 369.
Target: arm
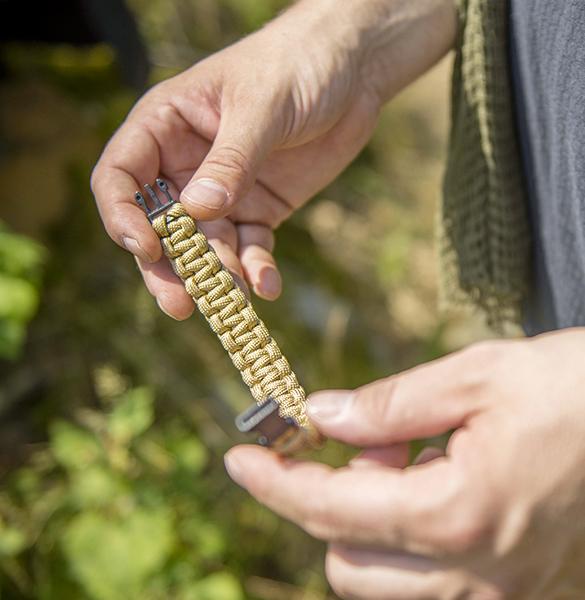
column 251, row 133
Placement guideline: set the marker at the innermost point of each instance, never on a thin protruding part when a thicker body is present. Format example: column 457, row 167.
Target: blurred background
column 114, row 418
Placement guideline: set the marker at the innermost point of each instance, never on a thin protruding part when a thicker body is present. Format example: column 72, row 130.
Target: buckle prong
column 157, row 206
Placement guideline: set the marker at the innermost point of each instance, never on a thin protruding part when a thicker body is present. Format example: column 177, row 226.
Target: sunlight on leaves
column 132, row 415
column 216, row 586
column 113, row 558
column 73, row 447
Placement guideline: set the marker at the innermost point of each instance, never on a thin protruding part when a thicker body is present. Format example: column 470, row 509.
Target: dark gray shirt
column 548, row 65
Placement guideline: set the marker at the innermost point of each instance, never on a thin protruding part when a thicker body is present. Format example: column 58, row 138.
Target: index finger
column 407, row 510
column 128, row 161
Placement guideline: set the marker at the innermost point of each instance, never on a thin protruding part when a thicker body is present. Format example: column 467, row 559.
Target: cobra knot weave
column 229, row 313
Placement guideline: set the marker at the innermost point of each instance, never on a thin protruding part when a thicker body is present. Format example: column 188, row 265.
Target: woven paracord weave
column 229, row 313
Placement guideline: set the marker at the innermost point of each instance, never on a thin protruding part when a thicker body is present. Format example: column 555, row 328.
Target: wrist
column 390, row 42
column 404, row 40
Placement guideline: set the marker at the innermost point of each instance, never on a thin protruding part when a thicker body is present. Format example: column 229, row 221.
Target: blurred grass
column 114, row 419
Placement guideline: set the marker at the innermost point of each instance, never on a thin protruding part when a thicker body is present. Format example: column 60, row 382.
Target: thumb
column 230, row 168
column 425, row 402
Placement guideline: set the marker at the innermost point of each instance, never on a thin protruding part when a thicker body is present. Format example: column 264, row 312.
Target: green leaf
column 113, row 559
column 73, row 448
column 19, row 256
column 95, row 487
column 205, row 537
column 132, row 415
column 19, row 296
column 12, row 541
column 18, row 299
column 12, row 335
column 219, row 585
column 189, row 453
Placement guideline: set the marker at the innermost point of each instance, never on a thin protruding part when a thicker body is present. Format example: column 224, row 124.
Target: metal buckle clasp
column 282, row 434
column 158, row 207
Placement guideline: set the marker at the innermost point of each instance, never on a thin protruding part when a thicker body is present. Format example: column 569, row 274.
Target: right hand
column 263, row 125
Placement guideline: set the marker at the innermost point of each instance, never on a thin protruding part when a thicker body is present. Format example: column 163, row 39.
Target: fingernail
column 135, row 248
column 206, row 193
column 270, row 283
column 234, row 469
column 161, row 305
column 329, row 406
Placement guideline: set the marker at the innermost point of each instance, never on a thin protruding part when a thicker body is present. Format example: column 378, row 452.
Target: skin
column 265, row 124
column 270, row 121
column 498, row 515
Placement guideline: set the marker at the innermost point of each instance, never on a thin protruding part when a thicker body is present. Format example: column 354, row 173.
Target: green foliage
column 12, row 541
column 128, row 514
column 20, row 262
column 218, row 585
column 113, row 558
column 73, row 448
column 132, row 416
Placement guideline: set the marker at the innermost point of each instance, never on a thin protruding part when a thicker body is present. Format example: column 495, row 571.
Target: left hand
column 500, row 515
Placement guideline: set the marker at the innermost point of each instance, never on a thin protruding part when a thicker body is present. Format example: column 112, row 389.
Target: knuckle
column 486, row 352
column 456, row 521
column 165, row 112
column 157, row 93
column 464, row 536
column 482, row 361
column 491, row 366
column 160, row 89
column 465, row 531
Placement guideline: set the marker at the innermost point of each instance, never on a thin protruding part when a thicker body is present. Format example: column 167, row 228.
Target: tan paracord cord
column 229, row 313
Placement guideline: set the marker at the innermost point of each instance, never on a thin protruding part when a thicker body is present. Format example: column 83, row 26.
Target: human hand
column 251, row 133
column 500, row 515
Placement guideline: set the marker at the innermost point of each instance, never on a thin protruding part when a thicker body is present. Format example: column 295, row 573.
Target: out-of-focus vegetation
column 113, row 418
column 20, row 261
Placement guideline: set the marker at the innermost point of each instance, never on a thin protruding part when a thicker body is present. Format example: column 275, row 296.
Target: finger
column 229, row 170
column 167, row 288
column 395, row 457
column 356, row 573
column 428, row 454
column 424, row 402
column 414, row 509
column 129, row 161
column 223, row 232
column 262, row 206
column 222, row 237
column 256, row 243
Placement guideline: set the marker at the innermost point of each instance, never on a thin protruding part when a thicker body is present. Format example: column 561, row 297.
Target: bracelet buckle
column 158, row 207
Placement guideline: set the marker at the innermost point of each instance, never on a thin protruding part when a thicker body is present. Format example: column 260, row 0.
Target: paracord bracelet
column 280, row 419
